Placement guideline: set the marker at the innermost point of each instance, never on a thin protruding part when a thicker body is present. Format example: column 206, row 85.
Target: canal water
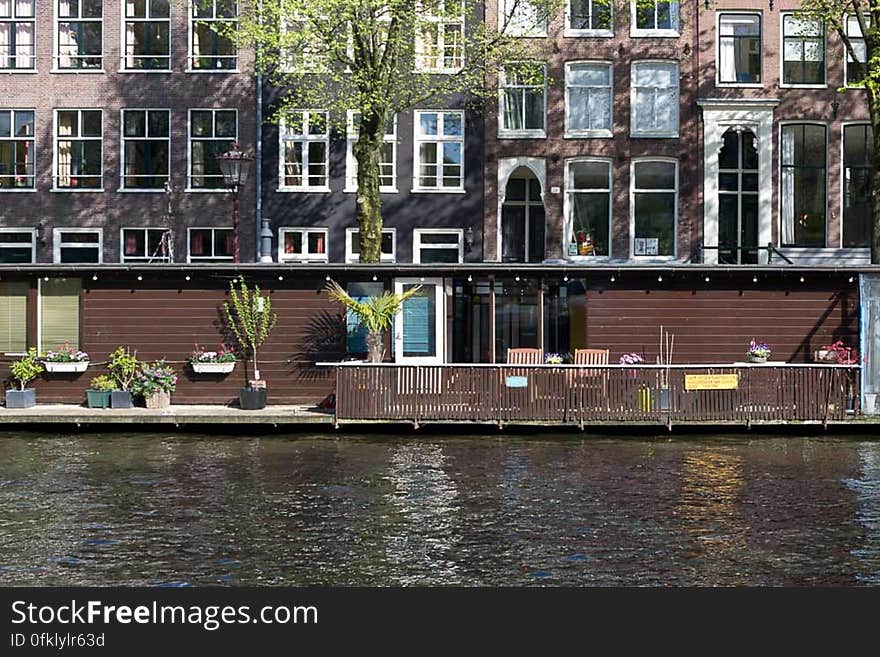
column 172, row 510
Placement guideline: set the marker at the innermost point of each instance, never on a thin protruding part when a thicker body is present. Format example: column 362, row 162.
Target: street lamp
column 234, row 165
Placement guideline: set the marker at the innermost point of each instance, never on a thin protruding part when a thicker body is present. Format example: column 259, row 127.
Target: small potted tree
column 123, row 367
column 24, row 370
column 250, row 318
column 155, row 382
column 98, row 392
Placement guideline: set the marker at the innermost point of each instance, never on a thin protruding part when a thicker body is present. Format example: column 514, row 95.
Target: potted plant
column 155, row 382
column 123, row 367
column 584, row 243
column 98, row 392
column 221, row 361
column 250, row 318
column 632, row 358
column 24, row 370
column 553, row 359
column 758, row 352
column 66, row 359
column 375, row 314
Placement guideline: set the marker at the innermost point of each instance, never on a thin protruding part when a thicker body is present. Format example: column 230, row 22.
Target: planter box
column 120, row 399
column 757, row 359
column 79, row 366
column 98, row 398
column 158, row 400
column 21, row 398
column 252, row 399
column 213, row 368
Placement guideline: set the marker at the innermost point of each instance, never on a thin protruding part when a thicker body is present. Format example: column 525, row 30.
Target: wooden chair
column 586, row 379
column 525, row 356
column 591, row 357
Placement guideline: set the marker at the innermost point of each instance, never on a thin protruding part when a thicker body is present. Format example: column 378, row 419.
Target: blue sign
column 516, row 381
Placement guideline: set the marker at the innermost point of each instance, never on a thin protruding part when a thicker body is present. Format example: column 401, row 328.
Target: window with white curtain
column 654, row 189
column 439, row 146
column 302, row 245
column 654, row 103
column 211, row 132
column 440, row 36
column 16, row 149
column 301, row 48
column 588, row 206
column 387, row 154
column 79, row 34
column 803, row 51
column 523, row 18
column 78, row 149
column 589, row 18
column 17, row 29
column 853, row 74
column 523, row 98
column 739, row 48
column 210, row 49
column 654, row 17
column 588, row 99
column 304, row 142
column 803, row 164
column 147, row 35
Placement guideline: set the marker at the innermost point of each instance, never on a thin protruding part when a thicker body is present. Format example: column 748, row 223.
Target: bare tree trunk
column 376, row 346
column 369, row 203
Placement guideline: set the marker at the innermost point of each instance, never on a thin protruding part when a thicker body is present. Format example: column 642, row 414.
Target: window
column 211, row 132
column 387, row 155
column 146, row 143
column 803, row 51
column 80, row 34
column 59, row 313
column 588, row 98
column 302, row 245
column 17, row 246
column 804, row 172
column 523, row 219
column 654, row 17
column 78, row 245
column 523, row 100
column 147, row 44
column 16, row 149
column 854, row 76
column 439, row 146
column 588, row 207
column 299, row 41
column 440, row 36
column 13, row 316
column 654, row 99
column 353, row 244
column 305, row 151
column 858, row 150
column 209, row 245
column 78, row 149
column 654, row 207
column 17, row 28
column 146, row 245
column 356, row 333
column 739, row 48
column 589, row 18
column 432, row 245
column 210, row 50
column 523, row 18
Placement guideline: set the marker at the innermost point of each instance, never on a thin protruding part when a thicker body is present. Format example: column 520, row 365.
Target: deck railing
column 580, row 395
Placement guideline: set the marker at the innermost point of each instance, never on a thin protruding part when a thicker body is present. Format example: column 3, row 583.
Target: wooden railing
column 572, row 394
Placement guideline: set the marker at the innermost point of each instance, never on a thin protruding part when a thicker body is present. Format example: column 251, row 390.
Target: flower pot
column 158, row 400
column 120, row 399
column 757, row 359
column 21, row 398
column 252, row 399
column 98, row 398
column 213, row 368
column 72, row 366
column 870, row 403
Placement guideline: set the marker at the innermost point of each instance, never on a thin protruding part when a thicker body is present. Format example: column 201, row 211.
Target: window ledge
column 73, row 190
column 382, row 190
column 439, row 190
column 206, row 190
column 14, row 190
column 653, row 135
column 165, row 71
column 78, row 71
column 304, row 261
column 571, row 32
column 10, row 71
column 522, row 134
column 795, row 85
column 126, row 190
column 304, row 190
column 211, row 72
column 585, row 260
column 646, row 258
column 588, row 134
column 740, row 85
column 637, row 32
column 439, row 71
column 527, row 35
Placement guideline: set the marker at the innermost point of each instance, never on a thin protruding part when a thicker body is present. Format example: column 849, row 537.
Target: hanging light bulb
column 375, row 278
column 281, row 278
column 94, row 277
column 140, row 278
column 612, row 278
column 802, row 279
column 187, row 277
column 707, row 279
column 565, row 278
column 754, row 279
column 470, row 279
column 660, row 279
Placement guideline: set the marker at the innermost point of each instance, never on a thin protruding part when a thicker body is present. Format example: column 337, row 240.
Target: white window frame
column 56, row 138
column 511, row 29
column 56, row 55
column 531, row 133
column 580, row 133
column 632, row 208
column 718, row 35
column 417, row 242
column 123, row 57
column 440, row 139
column 568, row 207
column 57, row 244
column 305, row 256
column 351, row 136
column 145, row 258
column 847, row 18
column 20, row 245
column 441, row 22
column 797, row 85
column 655, row 32
column 313, row 62
column 192, row 20
column 655, row 133
column 13, row 20
column 574, row 32
column 33, row 139
column 305, row 138
column 189, row 143
column 212, row 257
column 123, row 139
column 352, row 257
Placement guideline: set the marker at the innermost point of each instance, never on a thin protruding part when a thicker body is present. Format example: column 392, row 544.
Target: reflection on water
column 188, row 510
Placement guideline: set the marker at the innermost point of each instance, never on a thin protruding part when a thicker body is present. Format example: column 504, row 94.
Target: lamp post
column 234, row 165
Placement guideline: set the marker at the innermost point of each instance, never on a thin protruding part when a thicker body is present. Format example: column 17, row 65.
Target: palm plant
column 375, row 314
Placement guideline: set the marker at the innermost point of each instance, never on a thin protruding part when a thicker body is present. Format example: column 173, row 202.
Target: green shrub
column 123, row 367
column 103, row 383
column 27, row 368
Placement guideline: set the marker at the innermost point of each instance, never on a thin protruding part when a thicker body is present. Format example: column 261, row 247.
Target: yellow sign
column 711, row 381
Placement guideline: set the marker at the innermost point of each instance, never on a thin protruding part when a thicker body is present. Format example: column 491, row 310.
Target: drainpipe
column 258, row 177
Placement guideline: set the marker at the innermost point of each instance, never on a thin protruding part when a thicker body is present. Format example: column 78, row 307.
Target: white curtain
column 23, row 8
column 726, row 55
column 4, row 45
column 129, row 45
column 513, row 109
column 24, row 45
column 66, row 45
column 196, row 47
column 787, row 189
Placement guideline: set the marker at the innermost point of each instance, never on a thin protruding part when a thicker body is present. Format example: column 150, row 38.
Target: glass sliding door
column 419, row 335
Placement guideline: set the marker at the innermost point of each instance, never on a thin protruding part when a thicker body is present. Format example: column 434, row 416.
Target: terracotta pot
column 158, row 400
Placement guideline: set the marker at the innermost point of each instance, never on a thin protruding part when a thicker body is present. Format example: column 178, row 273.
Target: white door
column 418, row 329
